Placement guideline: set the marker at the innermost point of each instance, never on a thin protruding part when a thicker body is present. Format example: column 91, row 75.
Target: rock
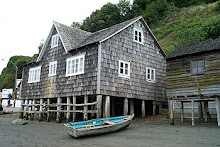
column 19, row 122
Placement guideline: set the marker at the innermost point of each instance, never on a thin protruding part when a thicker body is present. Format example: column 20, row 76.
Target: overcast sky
column 24, row 23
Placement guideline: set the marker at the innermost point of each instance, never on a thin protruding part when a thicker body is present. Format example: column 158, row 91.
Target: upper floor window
column 138, row 34
column 124, row 69
column 75, row 65
column 197, row 66
column 54, row 40
column 150, row 74
column 34, row 74
column 53, row 68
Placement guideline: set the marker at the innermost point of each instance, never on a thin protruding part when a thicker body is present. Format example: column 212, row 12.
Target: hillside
column 189, row 25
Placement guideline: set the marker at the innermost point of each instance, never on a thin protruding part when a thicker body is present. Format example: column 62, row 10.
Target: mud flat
column 152, row 131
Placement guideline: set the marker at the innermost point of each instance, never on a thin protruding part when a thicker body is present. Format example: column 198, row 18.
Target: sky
column 25, row 23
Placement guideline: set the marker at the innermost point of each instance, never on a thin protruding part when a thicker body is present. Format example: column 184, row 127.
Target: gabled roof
column 204, row 46
column 73, row 38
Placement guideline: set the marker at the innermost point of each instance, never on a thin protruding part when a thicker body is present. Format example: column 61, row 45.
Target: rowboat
column 97, row 126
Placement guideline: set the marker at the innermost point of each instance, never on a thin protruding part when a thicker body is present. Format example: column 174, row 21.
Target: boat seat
column 109, row 123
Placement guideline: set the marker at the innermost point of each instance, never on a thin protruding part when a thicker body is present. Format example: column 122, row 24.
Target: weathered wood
column 205, row 111
column 25, row 108
column 131, row 106
column 74, row 111
column 68, row 109
column 154, row 108
column 193, row 115
column 217, row 103
column 33, row 109
column 160, row 109
column 171, row 113
column 48, row 109
column 85, row 108
column 74, row 108
column 77, row 105
column 107, row 106
column 200, row 113
column 143, row 108
column 99, row 105
column 59, row 100
column 22, row 109
column 41, row 109
column 182, row 112
column 125, row 106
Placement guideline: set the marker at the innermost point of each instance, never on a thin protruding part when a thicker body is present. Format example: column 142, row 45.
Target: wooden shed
column 193, row 76
column 82, row 75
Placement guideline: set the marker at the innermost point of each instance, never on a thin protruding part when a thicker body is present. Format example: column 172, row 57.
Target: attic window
column 54, row 40
column 138, row 35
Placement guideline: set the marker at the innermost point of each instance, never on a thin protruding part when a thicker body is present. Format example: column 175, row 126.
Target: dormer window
column 138, row 35
column 54, row 40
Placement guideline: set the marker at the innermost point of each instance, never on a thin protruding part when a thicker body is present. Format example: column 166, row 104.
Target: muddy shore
column 151, row 131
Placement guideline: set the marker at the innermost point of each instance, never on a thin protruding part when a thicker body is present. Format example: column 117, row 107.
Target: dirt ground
column 151, row 131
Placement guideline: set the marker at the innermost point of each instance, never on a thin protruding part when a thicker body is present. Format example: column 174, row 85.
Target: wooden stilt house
column 82, row 75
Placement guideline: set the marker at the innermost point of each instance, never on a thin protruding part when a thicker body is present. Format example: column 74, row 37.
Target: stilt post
column 59, row 101
column 48, row 109
column 99, row 105
column 143, row 108
column 131, row 106
column 200, row 113
column 193, row 116
column 68, row 109
column 22, row 109
column 217, row 103
column 74, row 108
column 154, row 108
column 125, row 106
column 205, row 111
column 85, row 108
column 107, row 106
column 182, row 111
column 41, row 110
column 171, row 112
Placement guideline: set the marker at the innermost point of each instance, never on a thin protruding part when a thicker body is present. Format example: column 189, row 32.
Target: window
column 197, row 67
column 52, row 68
column 34, row 74
column 75, row 65
column 124, row 69
column 150, row 74
column 138, row 35
column 54, row 41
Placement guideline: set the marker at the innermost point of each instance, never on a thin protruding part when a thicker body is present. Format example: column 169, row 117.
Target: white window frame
column 138, row 30
column 34, row 74
column 123, row 75
column 71, row 69
column 197, row 67
column 52, row 68
column 54, row 40
column 150, row 77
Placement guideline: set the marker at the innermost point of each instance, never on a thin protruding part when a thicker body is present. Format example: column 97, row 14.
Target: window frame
column 70, row 60
column 30, row 74
column 52, row 64
column 154, row 75
column 139, row 30
column 124, row 75
column 197, row 67
column 55, row 41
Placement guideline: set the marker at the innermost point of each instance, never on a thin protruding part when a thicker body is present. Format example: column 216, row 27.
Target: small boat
column 97, row 126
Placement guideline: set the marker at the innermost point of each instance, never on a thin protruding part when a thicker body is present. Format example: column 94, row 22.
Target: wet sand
column 152, row 131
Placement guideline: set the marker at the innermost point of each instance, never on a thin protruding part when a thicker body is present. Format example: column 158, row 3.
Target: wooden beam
column 33, row 109
column 85, row 108
column 58, row 119
column 217, row 103
column 131, row 106
column 107, row 106
column 74, row 108
column 193, row 115
column 22, row 109
column 68, row 109
column 205, row 111
column 154, row 108
column 125, row 106
column 170, row 103
column 143, row 108
column 48, row 109
column 200, row 114
column 99, row 105
column 41, row 109
column 182, row 111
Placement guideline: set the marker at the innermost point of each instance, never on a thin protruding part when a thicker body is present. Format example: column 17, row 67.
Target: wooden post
column 59, row 101
column 154, row 108
column 48, row 109
column 182, row 111
column 99, row 105
column 160, row 108
column 27, row 109
column 33, row 109
column 217, row 103
column 205, row 111
column 107, row 106
column 193, row 116
column 200, row 114
column 131, row 106
column 22, row 109
column 170, row 102
column 41, row 109
column 125, row 106
column 143, row 108
column 68, row 109
column 74, row 108
column 85, row 108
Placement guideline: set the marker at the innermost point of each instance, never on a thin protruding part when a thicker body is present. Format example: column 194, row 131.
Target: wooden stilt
column 200, row 114
column 107, row 106
column 217, row 103
column 41, row 109
column 125, row 106
column 99, row 105
column 59, row 101
column 131, row 106
column 205, row 111
column 160, row 108
column 182, row 111
column 48, row 109
column 22, row 109
column 27, row 109
column 143, row 108
column 68, row 109
column 154, row 108
column 171, row 112
column 85, row 108
column 74, row 108
column 207, row 106
column 193, row 117
column 33, row 109
column 104, row 105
